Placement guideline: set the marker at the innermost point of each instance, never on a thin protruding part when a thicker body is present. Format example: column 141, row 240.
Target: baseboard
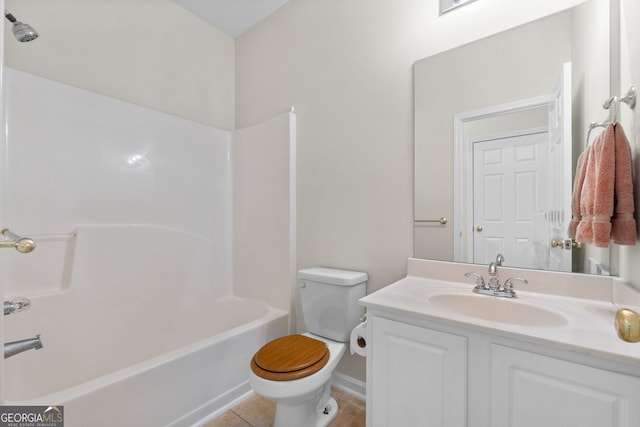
column 349, row 385
column 216, row 407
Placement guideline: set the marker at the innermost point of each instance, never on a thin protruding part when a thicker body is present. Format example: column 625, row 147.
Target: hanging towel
column 596, row 196
column 581, row 169
column 623, row 223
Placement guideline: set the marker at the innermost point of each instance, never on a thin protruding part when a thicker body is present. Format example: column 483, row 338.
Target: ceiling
column 233, row 17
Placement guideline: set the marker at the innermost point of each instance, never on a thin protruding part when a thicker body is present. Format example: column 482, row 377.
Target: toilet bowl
column 296, row 370
column 305, row 401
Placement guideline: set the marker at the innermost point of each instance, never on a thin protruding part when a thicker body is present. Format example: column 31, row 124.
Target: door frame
column 463, row 182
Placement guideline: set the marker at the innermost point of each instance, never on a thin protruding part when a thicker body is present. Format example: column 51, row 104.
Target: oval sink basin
column 502, row 310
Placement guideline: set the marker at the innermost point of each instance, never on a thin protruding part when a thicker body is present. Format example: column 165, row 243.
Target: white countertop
column 589, row 327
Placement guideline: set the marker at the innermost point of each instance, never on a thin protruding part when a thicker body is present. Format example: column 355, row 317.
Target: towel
column 603, row 189
column 596, row 196
column 623, row 224
column 581, row 169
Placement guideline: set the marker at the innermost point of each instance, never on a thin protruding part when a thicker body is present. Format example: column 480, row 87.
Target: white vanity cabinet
column 424, row 373
column 529, row 389
column 415, row 376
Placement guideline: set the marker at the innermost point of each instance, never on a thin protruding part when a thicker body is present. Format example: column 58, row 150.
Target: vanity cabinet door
column 530, row 390
column 415, row 376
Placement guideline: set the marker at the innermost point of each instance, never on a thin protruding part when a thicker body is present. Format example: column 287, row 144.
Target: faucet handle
column 16, row 305
column 479, row 279
column 508, row 284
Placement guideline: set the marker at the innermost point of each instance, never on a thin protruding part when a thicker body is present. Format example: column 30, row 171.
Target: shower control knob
column 25, row 245
column 17, row 305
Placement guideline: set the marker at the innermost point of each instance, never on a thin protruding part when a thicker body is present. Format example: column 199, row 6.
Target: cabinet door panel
column 418, row 376
column 530, row 390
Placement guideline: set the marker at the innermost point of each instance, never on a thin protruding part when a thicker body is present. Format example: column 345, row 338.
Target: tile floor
column 257, row 411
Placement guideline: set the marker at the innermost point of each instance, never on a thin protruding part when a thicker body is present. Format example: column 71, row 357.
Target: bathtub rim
column 74, row 392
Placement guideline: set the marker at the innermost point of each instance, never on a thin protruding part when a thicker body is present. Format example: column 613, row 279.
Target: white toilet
column 295, row 370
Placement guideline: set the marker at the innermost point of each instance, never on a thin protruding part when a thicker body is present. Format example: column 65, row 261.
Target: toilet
column 295, row 370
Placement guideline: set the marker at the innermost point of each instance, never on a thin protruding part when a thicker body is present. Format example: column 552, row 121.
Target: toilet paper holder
column 359, row 337
column 361, row 341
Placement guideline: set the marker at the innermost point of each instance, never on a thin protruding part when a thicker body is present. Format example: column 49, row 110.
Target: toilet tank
column 330, row 301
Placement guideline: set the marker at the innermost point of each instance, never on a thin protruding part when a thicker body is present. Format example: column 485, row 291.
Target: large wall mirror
column 499, row 124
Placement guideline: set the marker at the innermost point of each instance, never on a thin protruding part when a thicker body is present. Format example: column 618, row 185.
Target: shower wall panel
column 78, row 158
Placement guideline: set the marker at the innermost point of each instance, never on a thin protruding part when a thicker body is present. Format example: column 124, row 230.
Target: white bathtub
column 138, row 338
column 176, row 388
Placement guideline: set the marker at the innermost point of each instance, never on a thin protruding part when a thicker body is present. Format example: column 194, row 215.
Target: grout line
column 239, row 416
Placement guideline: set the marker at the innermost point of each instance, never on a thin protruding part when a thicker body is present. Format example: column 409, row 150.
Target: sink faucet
column 494, row 288
column 494, row 283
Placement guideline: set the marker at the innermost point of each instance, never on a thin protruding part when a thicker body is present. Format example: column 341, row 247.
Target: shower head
column 22, row 32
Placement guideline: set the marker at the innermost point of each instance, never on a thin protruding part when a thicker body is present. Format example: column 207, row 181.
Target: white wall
column 264, row 217
column 347, row 68
column 148, row 52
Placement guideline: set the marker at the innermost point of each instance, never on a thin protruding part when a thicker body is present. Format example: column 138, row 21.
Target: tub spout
column 15, row 347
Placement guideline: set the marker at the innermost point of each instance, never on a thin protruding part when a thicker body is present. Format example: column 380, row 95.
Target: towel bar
column 442, row 220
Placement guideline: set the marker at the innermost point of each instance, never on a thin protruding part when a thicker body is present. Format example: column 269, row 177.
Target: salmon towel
column 606, row 204
column 623, row 223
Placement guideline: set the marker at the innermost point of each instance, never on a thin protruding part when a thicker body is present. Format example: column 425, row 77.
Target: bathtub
column 175, row 388
column 138, row 339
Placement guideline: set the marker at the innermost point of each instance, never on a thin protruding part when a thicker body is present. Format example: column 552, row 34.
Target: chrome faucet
column 494, row 283
column 15, row 347
column 494, row 288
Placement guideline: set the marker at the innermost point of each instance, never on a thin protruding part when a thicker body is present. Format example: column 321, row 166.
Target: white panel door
column 415, row 376
column 510, row 178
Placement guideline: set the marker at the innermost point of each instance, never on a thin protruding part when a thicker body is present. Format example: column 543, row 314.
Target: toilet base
column 308, row 411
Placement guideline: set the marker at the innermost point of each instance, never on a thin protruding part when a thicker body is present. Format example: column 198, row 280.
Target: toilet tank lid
column 333, row 276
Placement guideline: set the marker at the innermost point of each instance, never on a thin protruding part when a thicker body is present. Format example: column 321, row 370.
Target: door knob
column 478, row 228
column 564, row 244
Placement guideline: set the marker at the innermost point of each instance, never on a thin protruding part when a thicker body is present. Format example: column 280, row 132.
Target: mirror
column 500, row 92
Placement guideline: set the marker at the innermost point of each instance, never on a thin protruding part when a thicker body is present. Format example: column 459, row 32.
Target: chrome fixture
column 15, row 347
column 22, row 32
column 22, row 244
column 494, row 288
column 441, row 220
column 17, row 305
column 499, row 260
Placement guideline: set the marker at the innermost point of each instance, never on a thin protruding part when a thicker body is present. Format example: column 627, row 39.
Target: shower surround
column 132, row 281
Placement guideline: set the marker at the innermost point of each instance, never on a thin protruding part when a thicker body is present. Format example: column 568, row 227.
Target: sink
column 509, row 311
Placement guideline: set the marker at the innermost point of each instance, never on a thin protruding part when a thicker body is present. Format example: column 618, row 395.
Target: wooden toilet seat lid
column 290, row 357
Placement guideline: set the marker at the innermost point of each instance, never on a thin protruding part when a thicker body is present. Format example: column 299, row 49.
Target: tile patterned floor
column 257, row 411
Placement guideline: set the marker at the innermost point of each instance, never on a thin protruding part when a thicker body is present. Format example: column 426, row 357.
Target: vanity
column 439, row 354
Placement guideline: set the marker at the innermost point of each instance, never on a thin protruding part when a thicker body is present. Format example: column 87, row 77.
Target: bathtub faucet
column 15, row 347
